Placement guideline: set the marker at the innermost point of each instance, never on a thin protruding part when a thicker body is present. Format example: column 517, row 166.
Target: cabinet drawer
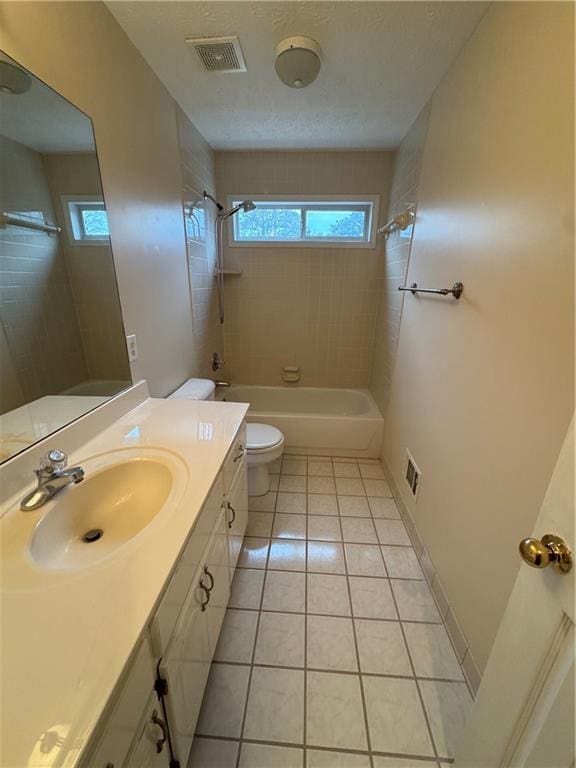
column 179, row 585
column 235, row 459
column 120, row 726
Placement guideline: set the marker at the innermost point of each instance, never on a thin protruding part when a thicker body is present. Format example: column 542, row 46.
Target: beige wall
column 198, row 174
column 80, row 50
column 482, row 391
column 91, row 271
column 404, row 191
column 309, row 307
column 38, row 314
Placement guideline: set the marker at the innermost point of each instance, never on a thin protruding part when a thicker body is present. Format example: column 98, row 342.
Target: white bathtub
column 314, row 420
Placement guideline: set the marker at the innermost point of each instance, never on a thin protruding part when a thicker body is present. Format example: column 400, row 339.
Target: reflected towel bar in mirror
column 6, row 220
column 456, row 290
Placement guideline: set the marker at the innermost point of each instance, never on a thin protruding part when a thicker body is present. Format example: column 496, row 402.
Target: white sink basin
column 90, row 521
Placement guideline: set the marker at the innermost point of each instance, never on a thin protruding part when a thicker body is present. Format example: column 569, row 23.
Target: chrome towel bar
column 456, row 290
column 7, row 220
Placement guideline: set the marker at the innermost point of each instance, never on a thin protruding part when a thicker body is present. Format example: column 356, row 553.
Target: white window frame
column 81, row 200
column 308, row 202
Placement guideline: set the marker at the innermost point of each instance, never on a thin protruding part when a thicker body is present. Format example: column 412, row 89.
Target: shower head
column 245, row 205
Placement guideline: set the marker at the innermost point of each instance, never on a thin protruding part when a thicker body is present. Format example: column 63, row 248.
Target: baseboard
column 455, row 633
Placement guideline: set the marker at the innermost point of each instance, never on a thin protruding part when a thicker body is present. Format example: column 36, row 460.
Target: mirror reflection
column 62, row 342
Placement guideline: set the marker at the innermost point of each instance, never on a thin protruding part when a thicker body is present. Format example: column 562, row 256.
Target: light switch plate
column 132, row 347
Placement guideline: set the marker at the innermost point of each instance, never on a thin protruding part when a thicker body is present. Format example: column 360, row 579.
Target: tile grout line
column 354, row 634
column 243, row 726
column 420, row 697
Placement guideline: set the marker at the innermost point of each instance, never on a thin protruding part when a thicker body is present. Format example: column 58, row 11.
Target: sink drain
column 93, row 535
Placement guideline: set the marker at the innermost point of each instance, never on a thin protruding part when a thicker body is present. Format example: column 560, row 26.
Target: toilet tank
column 195, row 389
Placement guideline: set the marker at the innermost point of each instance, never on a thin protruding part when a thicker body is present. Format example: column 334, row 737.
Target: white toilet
column 264, row 444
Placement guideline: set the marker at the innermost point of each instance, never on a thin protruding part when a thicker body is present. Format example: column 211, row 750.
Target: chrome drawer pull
column 207, row 572
column 242, row 451
column 231, row 508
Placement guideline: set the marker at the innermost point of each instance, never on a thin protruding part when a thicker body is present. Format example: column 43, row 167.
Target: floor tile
column 381, row 648
column 259, row 524
column 377, row 488
column 325, row 557
column 275, row 466
column 246, row 589
column 334, row 711
column 414, row 600
column 294, row 466
column 364, row 560
column 291, row 503
column 402, row 563
column 346, row 469
column 328, row 594
column 349, row 486
column 289, row 526
column 330, row 644
column 359, row 529
column 323, row 528
column 292, row 484
column 392, row 532
column 213, row 753
column 322, row 504
column 254, row 553
column 284, row 591
column 372, row 598
column 321, row 485
column 372, row 471
column 353, row 506
column 266, row 756
column 223, row 705
column 395, row 716
column 320, row 468
column 280, row 640
column 236, row 641
column 274, row 481
column 265, row 503
column 287, row 555
column 432, row 652
column 383, row 507
column 275, row 709
column 448, row 706
column 316, row 758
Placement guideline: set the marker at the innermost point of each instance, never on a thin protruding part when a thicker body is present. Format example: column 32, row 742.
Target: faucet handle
column 54, row 461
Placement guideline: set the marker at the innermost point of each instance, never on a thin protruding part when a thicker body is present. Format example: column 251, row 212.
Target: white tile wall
column 310, row 307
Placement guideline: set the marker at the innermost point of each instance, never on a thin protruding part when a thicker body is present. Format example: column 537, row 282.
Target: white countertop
column 66, row 637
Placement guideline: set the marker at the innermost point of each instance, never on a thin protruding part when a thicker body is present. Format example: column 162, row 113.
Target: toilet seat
column 262, row 437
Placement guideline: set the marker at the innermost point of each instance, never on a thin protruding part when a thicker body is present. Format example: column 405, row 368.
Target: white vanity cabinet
column 177, row 649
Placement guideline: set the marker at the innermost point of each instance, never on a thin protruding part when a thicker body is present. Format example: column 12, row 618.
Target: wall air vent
column 412, row 473
column 219, row 54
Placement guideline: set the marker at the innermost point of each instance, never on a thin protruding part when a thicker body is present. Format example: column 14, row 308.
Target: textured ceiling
column 381, row 61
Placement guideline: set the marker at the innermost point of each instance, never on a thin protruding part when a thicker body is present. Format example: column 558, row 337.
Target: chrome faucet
column 52, row 478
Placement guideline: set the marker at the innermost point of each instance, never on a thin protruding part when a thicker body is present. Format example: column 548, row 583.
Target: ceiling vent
column 219, row 54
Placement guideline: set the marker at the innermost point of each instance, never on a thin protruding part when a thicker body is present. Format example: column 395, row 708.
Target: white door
column 524, row 712
column 217, row 579
column 236, row 510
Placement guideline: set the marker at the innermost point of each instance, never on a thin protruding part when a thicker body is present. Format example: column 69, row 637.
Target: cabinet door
column 236, row 510
column 185, row 668
column 150, row 748
column 216, row 579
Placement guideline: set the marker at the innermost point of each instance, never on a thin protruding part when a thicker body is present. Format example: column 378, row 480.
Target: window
column 86, row 220
column 313, row 222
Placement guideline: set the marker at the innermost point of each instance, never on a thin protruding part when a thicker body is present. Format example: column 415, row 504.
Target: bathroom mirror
column 62, row 341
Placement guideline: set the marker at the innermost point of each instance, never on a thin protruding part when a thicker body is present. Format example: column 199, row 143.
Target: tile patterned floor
column 333, row 653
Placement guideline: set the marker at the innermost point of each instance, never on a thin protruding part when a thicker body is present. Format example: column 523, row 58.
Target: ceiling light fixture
column 298, row 61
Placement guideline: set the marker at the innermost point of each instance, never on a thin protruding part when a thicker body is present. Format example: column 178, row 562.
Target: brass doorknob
column 550, row 550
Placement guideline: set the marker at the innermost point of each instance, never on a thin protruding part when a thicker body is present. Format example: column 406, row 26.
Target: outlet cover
column 132, row 347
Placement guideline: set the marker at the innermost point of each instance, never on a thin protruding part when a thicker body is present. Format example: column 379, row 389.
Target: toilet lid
column 260, row 436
